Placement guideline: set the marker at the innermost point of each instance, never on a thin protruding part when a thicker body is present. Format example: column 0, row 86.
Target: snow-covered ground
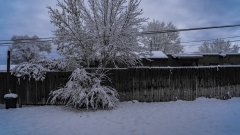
column 200, row 117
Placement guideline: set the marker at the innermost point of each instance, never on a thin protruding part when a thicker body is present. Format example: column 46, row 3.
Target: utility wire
column 26, row 42
column 182, row 43
column 28, row 39
column 156, row 43
column 145, row 32
column 190, row 29
column 201, row 44
column 209, row 39
column 156, row 32
column 196, row 41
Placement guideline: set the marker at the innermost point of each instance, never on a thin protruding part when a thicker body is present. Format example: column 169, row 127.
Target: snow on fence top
column 188, row 67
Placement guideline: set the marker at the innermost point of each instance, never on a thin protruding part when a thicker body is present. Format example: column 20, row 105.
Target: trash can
column 11, row 100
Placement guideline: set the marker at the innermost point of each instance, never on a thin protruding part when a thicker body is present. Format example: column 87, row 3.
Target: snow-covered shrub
column 36, row 69
column 85, row 90
column 32, row 70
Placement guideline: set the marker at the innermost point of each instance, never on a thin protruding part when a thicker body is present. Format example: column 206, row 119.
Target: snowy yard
column 200, row 117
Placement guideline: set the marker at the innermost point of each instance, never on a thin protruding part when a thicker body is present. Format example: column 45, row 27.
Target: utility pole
column 8, row 70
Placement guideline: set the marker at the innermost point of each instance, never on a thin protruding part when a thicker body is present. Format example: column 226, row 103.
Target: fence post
column 196, row 86
column 19, row 90
column 133, row 88
column 36, row 94
column 8, row 70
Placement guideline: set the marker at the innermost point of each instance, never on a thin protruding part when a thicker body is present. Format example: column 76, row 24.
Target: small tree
column 85, row 90
column 165, row 42
column 25, row 49
column 218, row 46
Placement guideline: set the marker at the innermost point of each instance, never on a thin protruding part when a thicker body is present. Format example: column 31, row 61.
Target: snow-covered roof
column 232, row 53
column 158, row 54
column 201, row 55
column 221, row 54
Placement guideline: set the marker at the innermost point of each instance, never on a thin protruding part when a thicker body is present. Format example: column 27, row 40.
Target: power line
column 145, row 32
column 155, row 32
column 209, row 39
column 11, row 43
column 4, row 45
column 190, row 29
column 201, row 44
column 197, row 41
column 37, row 39
column 29, row 39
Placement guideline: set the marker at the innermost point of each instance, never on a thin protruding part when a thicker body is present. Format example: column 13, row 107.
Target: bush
column 85, row 90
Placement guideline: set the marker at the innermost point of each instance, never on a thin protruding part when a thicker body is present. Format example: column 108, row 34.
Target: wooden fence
column 142, row 84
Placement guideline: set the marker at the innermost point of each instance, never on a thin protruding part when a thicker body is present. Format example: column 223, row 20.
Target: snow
column 200, row 117
column 157, row 54
column 11, row 95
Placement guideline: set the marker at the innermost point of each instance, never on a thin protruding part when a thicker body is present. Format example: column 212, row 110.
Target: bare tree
column 165, row 42
column 102, row 30
column 25, row 48
column 218, row 46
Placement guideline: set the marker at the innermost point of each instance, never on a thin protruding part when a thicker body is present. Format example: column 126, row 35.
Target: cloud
column 195, row 13
column 26, row 18
column 30, row 17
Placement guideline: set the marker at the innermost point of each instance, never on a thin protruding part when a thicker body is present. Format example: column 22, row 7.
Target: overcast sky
column 30, row 17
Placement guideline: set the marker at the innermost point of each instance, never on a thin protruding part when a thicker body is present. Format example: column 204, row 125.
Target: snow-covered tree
column 105, row 31
column 25, row 48
column 85, row 90
column 218, row 46
column 166, row 42
column 98, row 30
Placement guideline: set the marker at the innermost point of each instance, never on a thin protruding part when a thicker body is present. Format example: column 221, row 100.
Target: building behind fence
column 142, row 84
